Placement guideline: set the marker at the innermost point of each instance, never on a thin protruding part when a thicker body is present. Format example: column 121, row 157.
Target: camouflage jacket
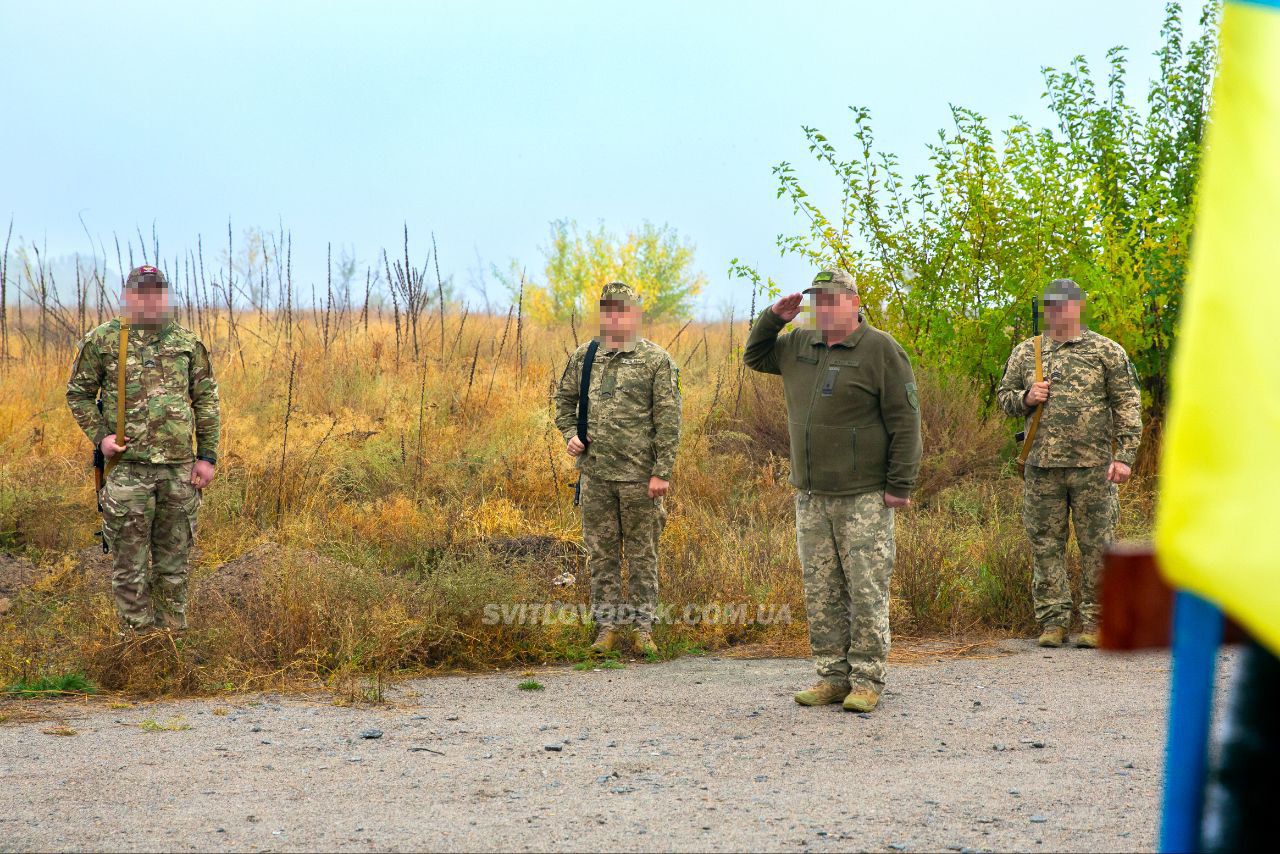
column 633, row 414
column 170, row 393
column 1093, row 401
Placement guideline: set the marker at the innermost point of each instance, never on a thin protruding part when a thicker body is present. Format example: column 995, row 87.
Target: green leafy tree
column 949, row 259
column 653, row 259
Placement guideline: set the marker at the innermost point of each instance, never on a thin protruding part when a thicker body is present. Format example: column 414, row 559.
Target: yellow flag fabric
column 1218, row 519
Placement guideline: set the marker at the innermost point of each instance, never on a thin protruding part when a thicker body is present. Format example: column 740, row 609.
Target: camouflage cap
column 1063, row 290
column 620, row 292
column 831, row 282
column 146, row 275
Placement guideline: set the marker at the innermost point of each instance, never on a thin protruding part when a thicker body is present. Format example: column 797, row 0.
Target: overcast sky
column 483, row 122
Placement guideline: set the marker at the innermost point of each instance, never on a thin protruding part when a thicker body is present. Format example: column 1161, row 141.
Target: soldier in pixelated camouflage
column 153, row 486
column 625, row 464
column 1084, row 446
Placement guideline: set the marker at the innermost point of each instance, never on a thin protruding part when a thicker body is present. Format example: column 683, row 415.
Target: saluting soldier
column 154, row 474
column 625, row 463
column 1084, row 446
column 853, row 415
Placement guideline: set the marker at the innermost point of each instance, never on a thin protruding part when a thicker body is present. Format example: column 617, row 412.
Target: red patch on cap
column 146, row 269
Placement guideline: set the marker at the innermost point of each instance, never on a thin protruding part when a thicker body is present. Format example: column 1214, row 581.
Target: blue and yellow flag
column 1218, row 522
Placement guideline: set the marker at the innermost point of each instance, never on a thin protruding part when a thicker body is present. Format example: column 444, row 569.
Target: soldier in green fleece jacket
column 854, row 422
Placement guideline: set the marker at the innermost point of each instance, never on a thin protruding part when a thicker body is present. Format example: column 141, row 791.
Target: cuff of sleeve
column 210, row 457
column 665, row 475
column 898, row 491
column 1127, row 458
column 102, row 433
column 569, row 434
column 769, row 317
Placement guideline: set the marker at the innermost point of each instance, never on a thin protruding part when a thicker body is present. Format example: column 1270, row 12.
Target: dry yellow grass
column 416, row 490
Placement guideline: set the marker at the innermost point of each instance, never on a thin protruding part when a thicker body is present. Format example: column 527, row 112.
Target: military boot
column 643, row 642
column 1088, row 638
column 862, row 700
column 606, row 641
column 1053, row 636
column 822, row 694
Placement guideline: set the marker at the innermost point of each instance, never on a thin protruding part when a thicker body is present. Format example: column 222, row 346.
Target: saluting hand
column 788, row 307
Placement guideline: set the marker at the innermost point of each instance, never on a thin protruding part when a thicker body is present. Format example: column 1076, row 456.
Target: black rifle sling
column 584, row 390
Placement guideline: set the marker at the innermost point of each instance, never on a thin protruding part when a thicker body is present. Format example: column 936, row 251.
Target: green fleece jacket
column 852, row 409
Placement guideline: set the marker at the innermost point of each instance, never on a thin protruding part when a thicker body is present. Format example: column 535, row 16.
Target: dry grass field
column 380, row 483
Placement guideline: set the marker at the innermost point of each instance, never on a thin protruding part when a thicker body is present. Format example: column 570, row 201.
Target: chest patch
column 829, row 383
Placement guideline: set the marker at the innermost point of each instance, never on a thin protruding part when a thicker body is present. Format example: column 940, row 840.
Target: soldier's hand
column 1037, row 394
column 788, row 307
column 658, row 487
column 110, row 447
column 895, row 502
column 575, row 447
column 1119, row 472
column 202, row 474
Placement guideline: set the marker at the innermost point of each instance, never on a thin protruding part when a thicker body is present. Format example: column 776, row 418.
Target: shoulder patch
column 912, row 397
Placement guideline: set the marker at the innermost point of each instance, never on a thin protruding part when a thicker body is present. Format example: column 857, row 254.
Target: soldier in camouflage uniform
column 854, row 422
column 1084, row 446
column 633, row 431
column 150, row 497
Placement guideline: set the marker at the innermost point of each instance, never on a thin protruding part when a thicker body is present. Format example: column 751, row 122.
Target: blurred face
column 619, row 321
column 1060, row 313
column 835, row 311
column 147, row 305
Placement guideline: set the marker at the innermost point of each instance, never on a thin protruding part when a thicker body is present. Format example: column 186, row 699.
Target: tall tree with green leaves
column 652, row 259
column 949, row 259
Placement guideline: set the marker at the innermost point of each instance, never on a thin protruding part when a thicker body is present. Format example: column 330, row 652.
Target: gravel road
column 1055, row 750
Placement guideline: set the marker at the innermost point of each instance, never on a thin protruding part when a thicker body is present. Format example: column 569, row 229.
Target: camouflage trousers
column 1049, row 496
column 619, row 517
column 846, row 552
column 149, row 513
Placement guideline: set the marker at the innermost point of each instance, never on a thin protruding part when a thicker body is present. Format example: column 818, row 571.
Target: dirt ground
column 16, row 575
column 1028, row 749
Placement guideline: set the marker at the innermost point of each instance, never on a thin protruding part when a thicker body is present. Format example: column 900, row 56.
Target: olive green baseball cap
column 146, row 276
column 619, row 292
column 832, row 282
